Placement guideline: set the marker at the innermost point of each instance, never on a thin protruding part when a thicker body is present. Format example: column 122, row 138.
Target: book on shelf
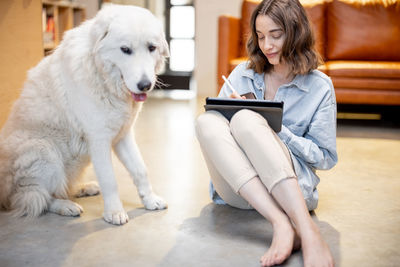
column 48, row 28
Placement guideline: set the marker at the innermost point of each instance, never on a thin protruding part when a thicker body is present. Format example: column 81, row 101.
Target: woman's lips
column 270, row 55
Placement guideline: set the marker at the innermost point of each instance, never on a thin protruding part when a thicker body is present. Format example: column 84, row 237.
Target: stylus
column 229, row 84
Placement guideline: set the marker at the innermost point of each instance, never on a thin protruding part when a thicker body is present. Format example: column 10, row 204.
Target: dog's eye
column 152, row 48
column 126, row 50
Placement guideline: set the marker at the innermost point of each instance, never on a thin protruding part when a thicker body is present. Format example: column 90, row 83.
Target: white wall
column 207, row 12
column 91, row 6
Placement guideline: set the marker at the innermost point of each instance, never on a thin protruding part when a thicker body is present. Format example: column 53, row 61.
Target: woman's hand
column 237, row 96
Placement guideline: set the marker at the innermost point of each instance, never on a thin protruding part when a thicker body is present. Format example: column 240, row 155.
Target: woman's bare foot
column 315, row 251
column 283, row 242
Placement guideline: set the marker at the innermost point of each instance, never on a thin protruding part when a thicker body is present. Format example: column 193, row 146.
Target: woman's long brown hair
column 298, row 49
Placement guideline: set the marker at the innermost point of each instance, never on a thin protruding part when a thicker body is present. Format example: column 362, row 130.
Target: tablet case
column 271, row 111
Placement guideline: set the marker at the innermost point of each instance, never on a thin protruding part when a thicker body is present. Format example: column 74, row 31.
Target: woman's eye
column 260, row 37
column 152, row 48
column 126, row 50
column 277, row 36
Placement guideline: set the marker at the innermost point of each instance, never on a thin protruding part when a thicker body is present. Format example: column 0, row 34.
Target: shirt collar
column 258, row 78
column 298, row 81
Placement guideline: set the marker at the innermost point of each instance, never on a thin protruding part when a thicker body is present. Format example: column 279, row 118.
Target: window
column 180, row 33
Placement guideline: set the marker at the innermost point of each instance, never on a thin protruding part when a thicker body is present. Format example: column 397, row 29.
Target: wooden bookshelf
column 58, row 17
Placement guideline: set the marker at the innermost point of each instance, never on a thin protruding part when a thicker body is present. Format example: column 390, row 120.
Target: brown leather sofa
column 358, row 40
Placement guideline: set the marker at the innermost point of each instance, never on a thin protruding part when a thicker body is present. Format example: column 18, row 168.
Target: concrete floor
column 358, row 213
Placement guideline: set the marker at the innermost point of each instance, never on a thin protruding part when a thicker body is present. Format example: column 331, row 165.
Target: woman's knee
column 210, row 124
column 245, row 122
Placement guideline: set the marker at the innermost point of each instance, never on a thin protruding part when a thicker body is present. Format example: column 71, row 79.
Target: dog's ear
column 163, row 54
column 101, row 24
column 164, row 47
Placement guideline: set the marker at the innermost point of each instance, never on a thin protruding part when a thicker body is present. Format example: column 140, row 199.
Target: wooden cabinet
column 21, row 48
column 58, row 17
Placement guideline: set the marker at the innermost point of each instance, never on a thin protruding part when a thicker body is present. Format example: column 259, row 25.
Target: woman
column 251, row 166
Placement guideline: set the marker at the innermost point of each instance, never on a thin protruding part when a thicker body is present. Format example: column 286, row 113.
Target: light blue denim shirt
column 308, row 123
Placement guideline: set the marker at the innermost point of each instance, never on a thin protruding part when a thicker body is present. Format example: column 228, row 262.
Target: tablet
column 271, row 111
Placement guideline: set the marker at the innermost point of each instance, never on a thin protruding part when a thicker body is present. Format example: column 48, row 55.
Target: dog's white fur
column 76, row 106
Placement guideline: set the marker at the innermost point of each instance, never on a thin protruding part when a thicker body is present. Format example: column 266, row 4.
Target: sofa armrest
column 228, row 44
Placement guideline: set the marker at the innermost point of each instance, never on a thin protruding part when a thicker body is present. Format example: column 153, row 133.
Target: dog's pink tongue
column 139, row 97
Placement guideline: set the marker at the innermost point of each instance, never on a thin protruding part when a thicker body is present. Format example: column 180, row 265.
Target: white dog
column 76, row 106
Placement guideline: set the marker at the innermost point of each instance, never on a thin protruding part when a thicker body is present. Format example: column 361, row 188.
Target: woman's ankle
column 306, row 227
column 279, row 221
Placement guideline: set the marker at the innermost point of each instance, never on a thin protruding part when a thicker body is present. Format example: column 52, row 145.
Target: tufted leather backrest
column 315, row 10
column 363, row 30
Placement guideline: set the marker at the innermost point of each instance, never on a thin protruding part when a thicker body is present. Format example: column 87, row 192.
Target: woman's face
column 270, row 38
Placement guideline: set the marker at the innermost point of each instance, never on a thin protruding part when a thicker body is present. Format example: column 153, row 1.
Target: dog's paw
column 116, row 217
column 65, row 207
column 154, row 202
column 88, row 189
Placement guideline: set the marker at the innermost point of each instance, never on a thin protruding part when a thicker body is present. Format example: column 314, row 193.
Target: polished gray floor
column 358, row 213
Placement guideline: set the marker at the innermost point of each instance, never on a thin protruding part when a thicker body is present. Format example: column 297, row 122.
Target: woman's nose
column 267, row 44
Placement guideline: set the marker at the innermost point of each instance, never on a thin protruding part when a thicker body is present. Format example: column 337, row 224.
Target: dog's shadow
column 226, row 236
column 54, row 240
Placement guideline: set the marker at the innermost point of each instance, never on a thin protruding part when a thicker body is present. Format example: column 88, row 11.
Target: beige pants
column 239, row 150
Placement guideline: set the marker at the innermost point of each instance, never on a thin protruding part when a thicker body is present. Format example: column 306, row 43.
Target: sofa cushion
column 366, row 83
column 363, row 69
column 367, row 96
column 235, row 62
column 366, row 30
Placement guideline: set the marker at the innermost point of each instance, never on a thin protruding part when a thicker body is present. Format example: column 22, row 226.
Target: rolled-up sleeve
column 317, row 147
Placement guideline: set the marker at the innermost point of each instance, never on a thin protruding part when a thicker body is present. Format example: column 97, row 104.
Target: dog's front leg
column 100, row 152
column 128, row 153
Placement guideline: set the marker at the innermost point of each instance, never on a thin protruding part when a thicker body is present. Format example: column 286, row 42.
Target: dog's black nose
column 144, row 85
